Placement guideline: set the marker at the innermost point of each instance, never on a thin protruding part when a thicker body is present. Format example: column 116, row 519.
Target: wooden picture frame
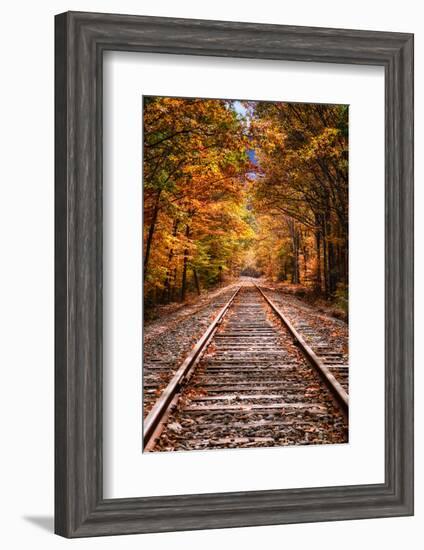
column 81, row 39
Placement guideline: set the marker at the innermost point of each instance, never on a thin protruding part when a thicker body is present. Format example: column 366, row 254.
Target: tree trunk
column 325, row 258
column 332, row 267
column 305, row 261
column 151, row 232
column 346, row 258
column 184, row 275
column 318, row 282
column 167, row 284
column 295, row 248
column 196, row 281
column 220, row 274
column 173, row 285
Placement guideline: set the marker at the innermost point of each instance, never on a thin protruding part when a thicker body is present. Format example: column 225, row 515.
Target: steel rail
column 168, row 396
column 332, row 383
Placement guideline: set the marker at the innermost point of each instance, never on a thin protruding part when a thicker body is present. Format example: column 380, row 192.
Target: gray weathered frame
column 81, row 39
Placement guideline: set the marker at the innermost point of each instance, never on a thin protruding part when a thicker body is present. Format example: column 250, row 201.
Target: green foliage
column 341, row 298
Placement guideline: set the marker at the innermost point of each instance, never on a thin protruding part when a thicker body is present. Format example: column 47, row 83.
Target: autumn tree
column 194, row 167
column 302, row 178
column 264, row 193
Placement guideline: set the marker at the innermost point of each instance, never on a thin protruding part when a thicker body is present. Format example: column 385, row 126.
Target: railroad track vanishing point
column 252, row 380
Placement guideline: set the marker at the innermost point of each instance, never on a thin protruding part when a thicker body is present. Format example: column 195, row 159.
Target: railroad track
column 159, row 368
column 252, row 380
column 316, row 331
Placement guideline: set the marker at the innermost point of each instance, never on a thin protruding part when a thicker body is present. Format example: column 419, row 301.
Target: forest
column 252, row 188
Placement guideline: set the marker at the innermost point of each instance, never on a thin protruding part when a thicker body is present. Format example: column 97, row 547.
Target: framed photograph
column 234, row 274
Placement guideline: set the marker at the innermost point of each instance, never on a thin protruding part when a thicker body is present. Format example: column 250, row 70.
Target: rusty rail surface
column 159, row 412
column 334, row 386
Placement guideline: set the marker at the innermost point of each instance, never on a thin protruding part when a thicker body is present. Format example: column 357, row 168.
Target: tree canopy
column 259, row 190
